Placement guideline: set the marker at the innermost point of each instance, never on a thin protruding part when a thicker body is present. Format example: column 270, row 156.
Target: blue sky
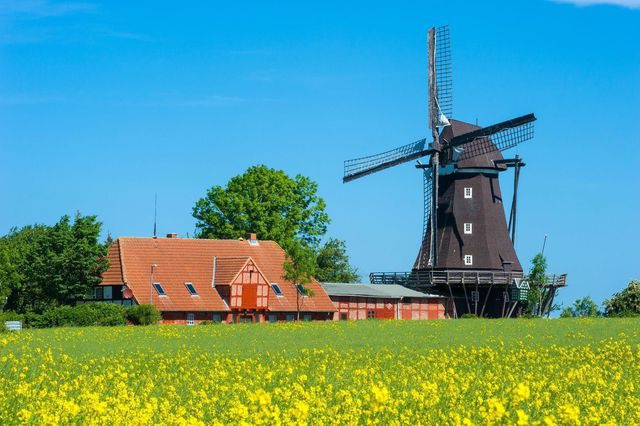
column 104, row 104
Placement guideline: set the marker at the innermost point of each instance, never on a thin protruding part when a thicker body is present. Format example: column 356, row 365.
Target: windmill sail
column 359, row 167
column 444, row 78
column 498, row 137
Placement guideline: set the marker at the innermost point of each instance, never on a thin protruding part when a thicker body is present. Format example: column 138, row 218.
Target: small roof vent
column 172, row 235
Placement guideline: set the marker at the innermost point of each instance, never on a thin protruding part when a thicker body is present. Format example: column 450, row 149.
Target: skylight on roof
column 159, row 289
column 191, row 289
column 303, row 291
column 276, row 289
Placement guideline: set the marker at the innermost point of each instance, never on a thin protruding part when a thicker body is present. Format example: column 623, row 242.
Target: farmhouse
column 195, row 280
column 392, row 301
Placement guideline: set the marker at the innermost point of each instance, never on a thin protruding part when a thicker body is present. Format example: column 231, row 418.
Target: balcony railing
column 428, row 278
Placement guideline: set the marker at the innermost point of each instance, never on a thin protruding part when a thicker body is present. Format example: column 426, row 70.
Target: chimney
column 172, row 235
column 252, row 239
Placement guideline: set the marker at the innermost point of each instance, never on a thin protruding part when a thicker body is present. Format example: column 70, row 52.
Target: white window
column 468, row 192
column 468, row 228
column 468, row 259
column 191, row 319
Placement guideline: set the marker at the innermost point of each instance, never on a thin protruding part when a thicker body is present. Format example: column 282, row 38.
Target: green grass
column 245, row 340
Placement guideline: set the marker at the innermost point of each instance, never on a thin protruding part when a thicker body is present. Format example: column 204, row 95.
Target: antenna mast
column 155, row 216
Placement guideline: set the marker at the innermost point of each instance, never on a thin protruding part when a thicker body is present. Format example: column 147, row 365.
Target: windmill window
column 276, row 289
column 468, row 259
column 191, row 289
column 468, row 192
column 159, row 289
column 468, row 228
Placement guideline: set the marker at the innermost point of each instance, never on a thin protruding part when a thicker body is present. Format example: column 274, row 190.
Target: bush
column 468, row 316
column 88, row 314
column 10, row 316
column 144, row 315
column 624, row 314
column 3, row 328
column 33, row 320
column 627, row 301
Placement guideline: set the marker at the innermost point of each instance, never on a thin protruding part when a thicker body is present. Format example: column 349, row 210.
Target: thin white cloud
column 36, row 9
column 630, row 4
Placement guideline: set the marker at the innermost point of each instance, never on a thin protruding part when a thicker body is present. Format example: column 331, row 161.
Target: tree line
column 46, row 266
column 43, row 267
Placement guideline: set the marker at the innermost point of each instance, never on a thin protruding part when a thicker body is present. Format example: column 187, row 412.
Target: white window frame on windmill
column 468, row 228
column 468, row 192
column 468, row 260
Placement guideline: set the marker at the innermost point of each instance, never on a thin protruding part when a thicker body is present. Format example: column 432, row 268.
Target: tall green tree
column 332, row 264
column 46, row 266
column 584, row 307
column 625, row 302
column 265, row 201
column 280, row 208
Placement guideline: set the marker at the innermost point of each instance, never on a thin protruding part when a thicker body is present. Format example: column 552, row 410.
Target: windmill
column 467, row 249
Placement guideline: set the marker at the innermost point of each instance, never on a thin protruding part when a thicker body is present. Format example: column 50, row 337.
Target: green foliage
column 537, row 279
column 332, row 264
column 46, row 266
column 626, row 302
column 3, row 328
column 84, row 315
column 265, row 201
column 144, row 315
column 584, row 307
column 279, row 208
column 468, row 316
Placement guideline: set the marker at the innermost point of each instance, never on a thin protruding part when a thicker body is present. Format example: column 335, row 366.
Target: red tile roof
column 182, row 260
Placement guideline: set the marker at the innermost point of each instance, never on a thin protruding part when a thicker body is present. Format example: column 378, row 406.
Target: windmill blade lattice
column 498, row 137
column 359, row 167
column 427, row 183
column 444, row 74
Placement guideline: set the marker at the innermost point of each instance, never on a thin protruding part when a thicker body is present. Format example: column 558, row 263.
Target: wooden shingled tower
column 467, row 251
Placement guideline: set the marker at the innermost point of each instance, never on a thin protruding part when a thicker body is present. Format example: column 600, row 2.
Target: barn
column 355, row 301
column 195, row 280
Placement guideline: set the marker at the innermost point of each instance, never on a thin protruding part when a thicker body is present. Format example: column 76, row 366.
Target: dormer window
column 468, row 228
column 191, row 289
column 468, row 192
column 468, row 260
column 159, row 289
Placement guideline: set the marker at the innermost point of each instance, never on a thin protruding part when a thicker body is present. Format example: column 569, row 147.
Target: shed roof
column 387, row 291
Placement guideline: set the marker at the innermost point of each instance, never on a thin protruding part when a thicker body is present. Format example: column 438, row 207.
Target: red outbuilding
column 385, row 301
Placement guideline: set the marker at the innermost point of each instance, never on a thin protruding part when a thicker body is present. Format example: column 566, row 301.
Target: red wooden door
column 249, row 296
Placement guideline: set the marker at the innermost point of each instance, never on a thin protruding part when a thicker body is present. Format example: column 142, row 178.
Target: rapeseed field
column 547, row 372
